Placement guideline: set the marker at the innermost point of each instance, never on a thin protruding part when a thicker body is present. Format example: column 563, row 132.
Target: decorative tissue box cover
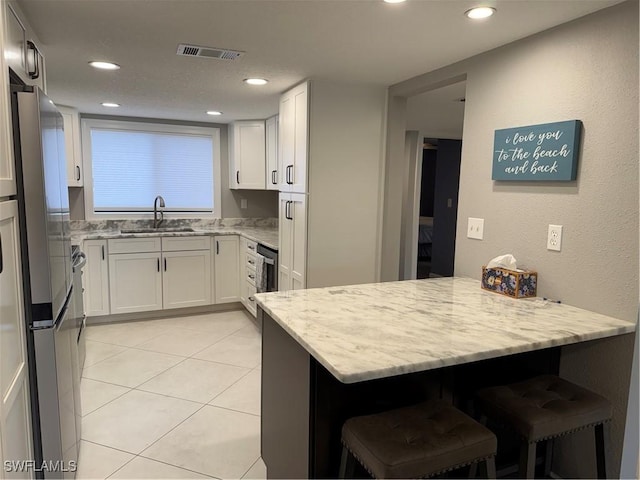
column 509, row 282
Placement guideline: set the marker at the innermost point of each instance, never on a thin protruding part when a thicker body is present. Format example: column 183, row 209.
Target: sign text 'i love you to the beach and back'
column 546, row 152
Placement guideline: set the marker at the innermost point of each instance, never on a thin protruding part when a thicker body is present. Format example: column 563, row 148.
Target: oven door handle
column 269, row 261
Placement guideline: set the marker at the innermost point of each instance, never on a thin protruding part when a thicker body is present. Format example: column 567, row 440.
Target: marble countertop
column 364, row 332
column 263, row 235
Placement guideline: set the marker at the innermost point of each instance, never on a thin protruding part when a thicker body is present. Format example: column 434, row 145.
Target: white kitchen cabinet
column 227, row 269
column 7, row 170
column 271, row 146
column 20, row 50
column 135, row 282
column 73, row 146
column 292, row 256
column 247, row 155
column 15, row 412
column 247, row 263
column 186, row 278
column 293, row 139
column 95, row 275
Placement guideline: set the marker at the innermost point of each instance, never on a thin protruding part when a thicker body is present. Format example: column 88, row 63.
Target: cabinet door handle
column 251, row 262
column 251, row 247
column 274, row 180
column 35, row 73
column 252, row 299
column 165, row 264
column 290, row 174
column 252, row 277
column 238, row 177
column 78, row 173
column 158, row 265
column 103, row 252
column 217, row 247
column 1, row 256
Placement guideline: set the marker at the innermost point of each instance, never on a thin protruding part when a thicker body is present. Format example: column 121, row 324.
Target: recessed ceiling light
column 105, row 65
column 255, row 81
column 480, row 12
column 394, row 1
column 214, row 112
column 110, row 104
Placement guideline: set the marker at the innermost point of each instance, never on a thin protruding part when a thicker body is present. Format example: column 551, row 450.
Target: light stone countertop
column 364, row 332
column 266, row 236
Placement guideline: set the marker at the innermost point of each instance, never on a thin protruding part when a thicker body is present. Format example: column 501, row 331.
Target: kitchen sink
column 158, row 230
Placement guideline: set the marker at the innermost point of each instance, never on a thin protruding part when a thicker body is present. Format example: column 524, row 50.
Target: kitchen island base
column 304, row 405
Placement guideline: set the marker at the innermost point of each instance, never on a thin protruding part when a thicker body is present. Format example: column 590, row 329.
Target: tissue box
column 510, row 282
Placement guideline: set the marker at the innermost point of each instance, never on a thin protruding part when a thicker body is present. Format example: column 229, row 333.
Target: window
column 130, row 163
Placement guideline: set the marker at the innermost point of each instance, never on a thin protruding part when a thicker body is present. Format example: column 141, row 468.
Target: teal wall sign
column 546, row 152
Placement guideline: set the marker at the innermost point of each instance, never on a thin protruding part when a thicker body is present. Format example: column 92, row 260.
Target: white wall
column 586, row 70
column 345, row 160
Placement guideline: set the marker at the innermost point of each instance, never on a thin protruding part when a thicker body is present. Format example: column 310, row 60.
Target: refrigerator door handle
column 1, row 256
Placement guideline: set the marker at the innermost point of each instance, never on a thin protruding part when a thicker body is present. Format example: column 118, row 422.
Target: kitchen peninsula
column 331, row 353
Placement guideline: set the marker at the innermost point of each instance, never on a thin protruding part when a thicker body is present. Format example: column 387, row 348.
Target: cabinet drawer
column 250, row 260
column 251, row 275
column 251, row 299
column 134, row 245
column 174, row 244
column 251, row 246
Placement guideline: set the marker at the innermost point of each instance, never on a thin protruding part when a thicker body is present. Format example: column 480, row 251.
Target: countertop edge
column 347, row 377
column 110, row 235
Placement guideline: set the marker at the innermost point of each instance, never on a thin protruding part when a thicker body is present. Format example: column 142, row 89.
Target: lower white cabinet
column 292, row 256
column 95, row 276
column 247, row 263
column 186, row 278
column 227, row 272
column 135, row 282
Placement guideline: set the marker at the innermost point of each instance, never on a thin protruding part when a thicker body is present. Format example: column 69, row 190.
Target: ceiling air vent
column 208, row 52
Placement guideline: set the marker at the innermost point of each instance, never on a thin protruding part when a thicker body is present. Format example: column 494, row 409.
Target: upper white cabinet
column 21, row 49
column 247, row 155
column 273, row 178
column 73, row 146
column 7, row 170
column 293, row 139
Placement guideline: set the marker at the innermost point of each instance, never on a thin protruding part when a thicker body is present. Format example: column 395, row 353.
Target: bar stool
column 415, row 442
column 544, row 408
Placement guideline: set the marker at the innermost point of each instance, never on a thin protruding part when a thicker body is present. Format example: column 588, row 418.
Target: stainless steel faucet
column 156, row 221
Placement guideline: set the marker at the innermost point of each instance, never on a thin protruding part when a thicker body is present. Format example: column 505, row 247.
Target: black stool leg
column 601, row 434
column 347, row 464
column 548, row 457
column 527, row 459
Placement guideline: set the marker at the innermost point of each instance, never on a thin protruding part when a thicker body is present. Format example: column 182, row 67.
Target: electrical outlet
column 475, row 228
column 243, row 203
column 554, row 238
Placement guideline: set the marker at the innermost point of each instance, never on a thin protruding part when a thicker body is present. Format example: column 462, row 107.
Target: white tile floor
column 172, row 398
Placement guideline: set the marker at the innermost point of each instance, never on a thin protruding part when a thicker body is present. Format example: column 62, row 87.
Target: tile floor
column 172, row 398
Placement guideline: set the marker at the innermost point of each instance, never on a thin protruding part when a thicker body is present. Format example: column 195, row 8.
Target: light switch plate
column 475, row 228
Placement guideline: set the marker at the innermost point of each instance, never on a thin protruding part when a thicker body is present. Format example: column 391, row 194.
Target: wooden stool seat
column 543, row 408
column 417, row 441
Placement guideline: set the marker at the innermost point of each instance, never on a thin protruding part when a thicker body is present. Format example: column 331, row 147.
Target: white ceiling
column 359, row 41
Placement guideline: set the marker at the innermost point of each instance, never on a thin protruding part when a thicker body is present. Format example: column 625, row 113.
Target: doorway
column 430, row 213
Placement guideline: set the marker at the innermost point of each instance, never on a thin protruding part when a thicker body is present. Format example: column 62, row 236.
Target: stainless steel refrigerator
column 52, row 327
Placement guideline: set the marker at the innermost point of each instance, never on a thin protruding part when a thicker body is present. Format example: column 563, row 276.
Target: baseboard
column 158, row 314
